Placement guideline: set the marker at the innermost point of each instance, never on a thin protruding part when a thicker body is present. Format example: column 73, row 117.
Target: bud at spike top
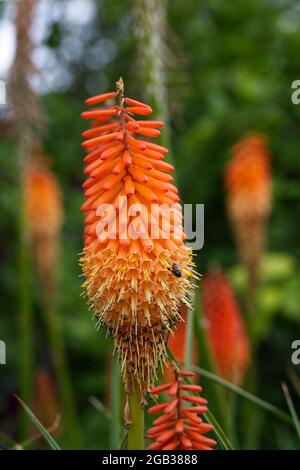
column 130, row 282
column 225, row 327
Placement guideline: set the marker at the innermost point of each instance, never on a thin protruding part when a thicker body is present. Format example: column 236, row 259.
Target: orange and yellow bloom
column 130, row 284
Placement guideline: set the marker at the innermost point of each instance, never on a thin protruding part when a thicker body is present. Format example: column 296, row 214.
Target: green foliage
column 230, row 72
column 44, row 432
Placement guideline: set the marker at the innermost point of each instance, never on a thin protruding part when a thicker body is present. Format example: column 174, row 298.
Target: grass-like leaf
column 52, row 443
column 124, row 442
column 7, row 440
column 100, row 407
column 220, row 434
column 247, row 395
column 217, row 395
column 291, row 408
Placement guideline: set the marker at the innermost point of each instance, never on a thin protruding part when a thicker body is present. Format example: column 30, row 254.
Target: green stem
column 250, row 435
column 115, row 405
column 63, row 380
column 189, row 338
column 136, row 431
column 231, row 418
column 26, row 316
column 292, row 409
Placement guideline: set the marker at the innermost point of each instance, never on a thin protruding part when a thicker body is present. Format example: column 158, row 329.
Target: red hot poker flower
column 248, row 186
column 44, row 211
column 225, row 328
column 131, row 281
column 180, row 426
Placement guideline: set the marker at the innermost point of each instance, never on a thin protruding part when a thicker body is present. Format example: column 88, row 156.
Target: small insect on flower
column 175, row 270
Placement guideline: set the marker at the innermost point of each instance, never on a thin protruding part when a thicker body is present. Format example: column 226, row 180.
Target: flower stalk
column 136, row 430
column 26, row 317
column 44, row 213
column 27, row 121
column 115, row 405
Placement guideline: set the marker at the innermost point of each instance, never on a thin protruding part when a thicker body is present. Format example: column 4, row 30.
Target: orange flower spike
column 122, row 264
column 225, row 327
column 248, row 186
column 44, row 211
column 177, row 428
column 43, row 199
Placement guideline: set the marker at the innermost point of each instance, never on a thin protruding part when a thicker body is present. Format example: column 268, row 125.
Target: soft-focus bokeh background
column 228, row 67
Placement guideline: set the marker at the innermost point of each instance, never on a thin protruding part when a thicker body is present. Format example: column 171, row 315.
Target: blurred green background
column 229, row 68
